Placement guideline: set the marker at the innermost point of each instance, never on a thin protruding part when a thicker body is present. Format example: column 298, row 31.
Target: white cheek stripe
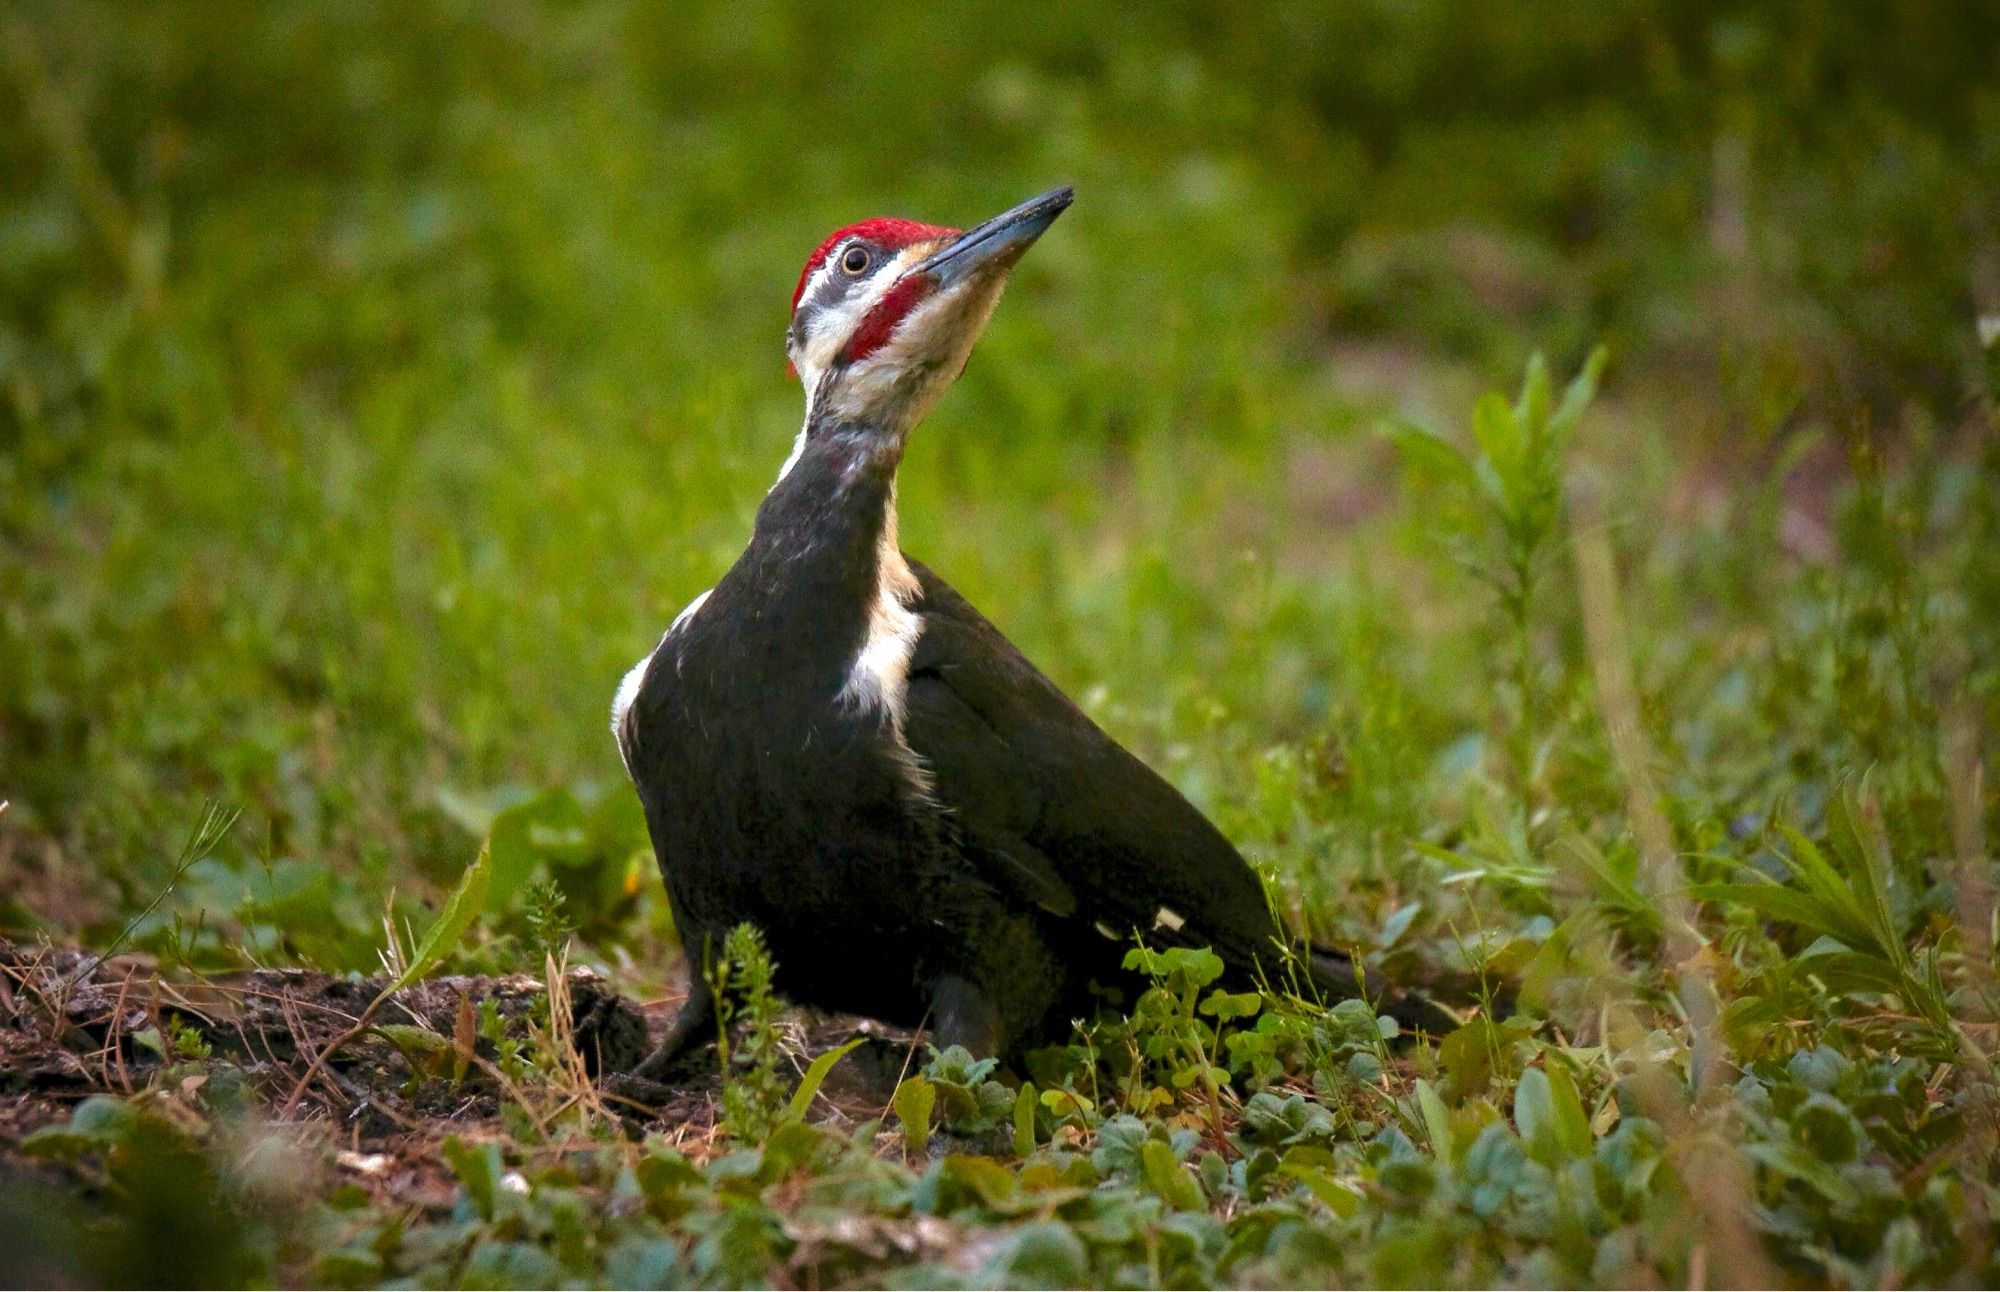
column 635, row 677
column 900, row 383
column 831, row 326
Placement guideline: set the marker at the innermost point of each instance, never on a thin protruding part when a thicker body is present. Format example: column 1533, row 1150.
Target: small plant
column 1179, row 1034
column 188, row 1042
column 1509, row 514
column 1844, row 896
column 914, row 1101
column 175, row 1040
column 753, row 1091
column 457, row 915
column 1353, row 1040
column 209, row 831
column 547, row 914
column 969, row 1102
column 509, row 1052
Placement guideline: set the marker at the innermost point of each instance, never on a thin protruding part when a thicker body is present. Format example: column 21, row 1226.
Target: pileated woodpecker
column 833, row 745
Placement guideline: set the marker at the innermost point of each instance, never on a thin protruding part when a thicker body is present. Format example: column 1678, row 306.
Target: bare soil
column 72, row 1026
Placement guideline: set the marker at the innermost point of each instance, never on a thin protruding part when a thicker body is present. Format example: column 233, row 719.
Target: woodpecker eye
column 855, row 262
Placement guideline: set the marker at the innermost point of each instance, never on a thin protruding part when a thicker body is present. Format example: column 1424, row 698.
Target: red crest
column 885, row 231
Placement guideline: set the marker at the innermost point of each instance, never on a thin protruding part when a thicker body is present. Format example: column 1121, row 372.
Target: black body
column 977, row 868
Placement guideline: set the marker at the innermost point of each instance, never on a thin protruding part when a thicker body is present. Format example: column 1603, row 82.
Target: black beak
column 999, row 242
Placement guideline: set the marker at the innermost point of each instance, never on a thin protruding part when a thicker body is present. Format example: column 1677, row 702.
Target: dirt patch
column 72, row 1023
column 380, row 1107
column 73, row 1026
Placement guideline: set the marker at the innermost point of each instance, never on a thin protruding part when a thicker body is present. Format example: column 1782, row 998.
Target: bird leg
column 1334, row 973
column 691, row 1028
column 966, row 1016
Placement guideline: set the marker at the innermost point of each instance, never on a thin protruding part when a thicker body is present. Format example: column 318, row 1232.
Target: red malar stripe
column 880, row 323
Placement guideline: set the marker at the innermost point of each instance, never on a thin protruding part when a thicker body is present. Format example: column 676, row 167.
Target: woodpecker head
column 887, row 311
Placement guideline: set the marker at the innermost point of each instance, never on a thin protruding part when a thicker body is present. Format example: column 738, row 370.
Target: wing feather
column 1044, row 796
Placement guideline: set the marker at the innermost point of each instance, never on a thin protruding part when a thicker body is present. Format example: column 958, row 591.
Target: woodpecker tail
column 1333, row 972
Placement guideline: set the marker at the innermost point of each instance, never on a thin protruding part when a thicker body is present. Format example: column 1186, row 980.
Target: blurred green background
column 380, row 378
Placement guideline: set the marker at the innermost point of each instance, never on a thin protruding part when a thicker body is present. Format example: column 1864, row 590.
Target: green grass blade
column 815, row 1076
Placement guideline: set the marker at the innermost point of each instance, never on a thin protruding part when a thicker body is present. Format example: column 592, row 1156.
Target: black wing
column 1053, row 807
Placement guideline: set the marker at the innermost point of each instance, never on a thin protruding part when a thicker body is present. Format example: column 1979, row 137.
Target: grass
column 380, row 381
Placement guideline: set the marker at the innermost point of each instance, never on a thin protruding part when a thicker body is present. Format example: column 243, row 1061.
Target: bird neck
column 830, row 519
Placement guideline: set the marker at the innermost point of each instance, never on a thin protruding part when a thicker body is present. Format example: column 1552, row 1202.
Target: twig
column 909, row 1056
column 361, row 1025
column 114, row 1037
column 262, row 994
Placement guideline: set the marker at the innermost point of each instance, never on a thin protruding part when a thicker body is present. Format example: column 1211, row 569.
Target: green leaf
column 1582, row 389
column 1118, row 1144
column 1024, row 1120
column 1800, row 1164
column 460, row 909
column 1534, row 1112
column 1202, row 965
column 1045, row 1254
column 510, row 1264
column 1497, row 432
column 411, row 1039
column 478, row 1168
column 963, row 1178
column 1433, row 453
column 1213, row 1172
column 1467, row 1058
column 913, row 1101
column 809, row 1085
column 1437, row 1121
column 790, row 1146
column 1531, row 411
column 1847, row 919
column 1819, row 1068
column 1775, row 901
column 1827, row 1130
column 1163, row 1174
column 351, row 1266
column 1312, row 1168
column 1617, row 882
column 1851, row 971
column 1572, row 1123
column 1224, row 1004
column 99, row 1122
column 1863, row 859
